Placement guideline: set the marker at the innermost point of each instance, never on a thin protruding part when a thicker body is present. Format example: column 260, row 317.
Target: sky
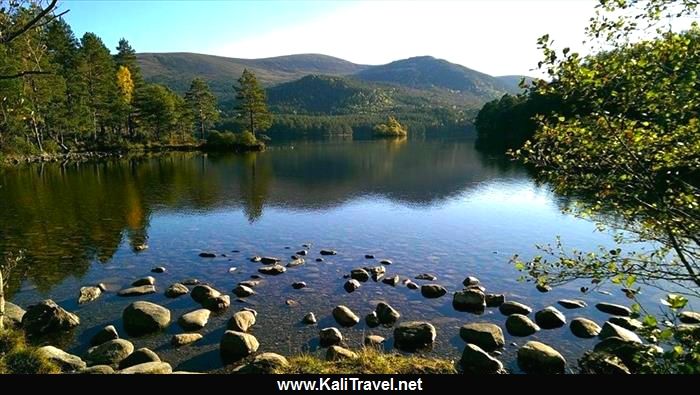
column 497, row 37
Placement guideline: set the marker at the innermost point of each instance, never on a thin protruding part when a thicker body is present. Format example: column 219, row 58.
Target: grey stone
column 98, row 369
column 511, row 307
column 689, row 317
column 372, row 320
column 359, row 275
column 13, row 315
column 611, row 330
column 159, row 269
column 426, row 276
column 88, row 294
column 344, row 316
column 386, row 314
column 145, row 317
column 184, row 339
column 47, row 317
column 299, row 285
column 236, row 345
column 584, row 328
column 207, row 255
column 329, row 252
column 520, row 325
column 374, row 341
column 414, row 335
column 149, row 368
column 137, row 291
column 393, row 281
column 194, row 320
column 476, row 360
column 469, row 300
column 550, row 318
column 109, row 353
column 243, row 291
column 295, row 262
column 432, row 291
column 536, row 357
column 176, row 290
column 572, row 303
column 495, row 300
column 241, row 321
column 614, row 309
column 272, row 270
column 627, row 323
column 217, row 304
column 150, row 280
column 483, row 334
column 351, row 285
column 270, row 260
column 105, row 334
column 142, row 355
column 200, row 293
column 470, row 281
column 330, row 336
column 309, row 318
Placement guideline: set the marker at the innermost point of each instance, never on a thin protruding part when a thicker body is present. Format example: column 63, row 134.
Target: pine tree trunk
column 252, row 125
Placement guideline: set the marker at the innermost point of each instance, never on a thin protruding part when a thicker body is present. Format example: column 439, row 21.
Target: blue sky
column 496, row 36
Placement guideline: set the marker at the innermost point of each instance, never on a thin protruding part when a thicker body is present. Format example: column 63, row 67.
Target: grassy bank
column 16, row 357
column 369, row 361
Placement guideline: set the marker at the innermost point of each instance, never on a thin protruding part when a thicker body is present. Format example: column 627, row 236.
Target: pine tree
column 158, row 109
column 202, row 105
column 98, row 70
column 251, row 103
column 126, row 56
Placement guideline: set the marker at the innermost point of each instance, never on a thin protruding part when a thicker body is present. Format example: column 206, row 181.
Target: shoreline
column 13, row 160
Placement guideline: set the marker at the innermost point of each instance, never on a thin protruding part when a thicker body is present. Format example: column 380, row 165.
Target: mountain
column 429, row 73
column 177, row 69
column 513, row 81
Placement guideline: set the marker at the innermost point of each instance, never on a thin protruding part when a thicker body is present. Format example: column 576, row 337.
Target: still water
column 435, row 207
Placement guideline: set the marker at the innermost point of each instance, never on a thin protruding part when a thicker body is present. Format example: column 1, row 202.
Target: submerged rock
column 176, row 290
column 572, row 303
column 144, row 281
column 329, row 252
column 476, row 360
column 109, row 353
column 149, row 368
column 194, row 320
column 469, row 281
column 611, row 330
column 241, row 321
column 200, row 293
column 88, row 294
column 142, row 355
column 270, row 260
column 359, row 275
column 372, row 320
column 369, row 256
column 351, row 285
column 272, row 270
column 614, row 309
column 47, row 317
column 295, row 262
column 536, row 357
column 385, row 262
column 386, row 314
column 256, row 259
column 207, row 255
column 511, row 307
column 236, row 345
column 584, row 328
column 495, row 300
column 689, row 317
column 432, row 291
column 550, row 318
column 483, row 334
column 191, row 281
column 217, row 304
column 414, row 335
column 159, row 269
column 243, row 291
column 344, row 316
column 330, row 336
column 520, row 325
column 184, row 339
column 426, row 276
column 309, row 318
column 105, row 334
column 627, row 323
column 411, row 285
column 142, row 318
column 299, row 285
column 469, row 300
column 393, row 281
column 137, row 291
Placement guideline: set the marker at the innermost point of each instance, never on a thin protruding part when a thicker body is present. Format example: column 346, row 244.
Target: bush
column 27, row 361
column 20, row 146
column 51, row 147
column 227, row 141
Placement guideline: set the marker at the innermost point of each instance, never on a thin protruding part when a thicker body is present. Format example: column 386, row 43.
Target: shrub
column 27, row 361
column 392, row 128
column 10, row 340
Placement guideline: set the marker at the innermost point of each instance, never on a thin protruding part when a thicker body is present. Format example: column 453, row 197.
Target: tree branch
column 23, row 73
column 30, row 24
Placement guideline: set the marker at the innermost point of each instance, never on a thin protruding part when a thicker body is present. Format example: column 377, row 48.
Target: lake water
column 430, row 206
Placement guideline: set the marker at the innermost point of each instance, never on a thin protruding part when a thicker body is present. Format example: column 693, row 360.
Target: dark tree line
column 59, row 93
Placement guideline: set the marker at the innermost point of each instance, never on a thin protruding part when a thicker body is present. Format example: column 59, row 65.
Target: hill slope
column 177, row 69
column 429, row 73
